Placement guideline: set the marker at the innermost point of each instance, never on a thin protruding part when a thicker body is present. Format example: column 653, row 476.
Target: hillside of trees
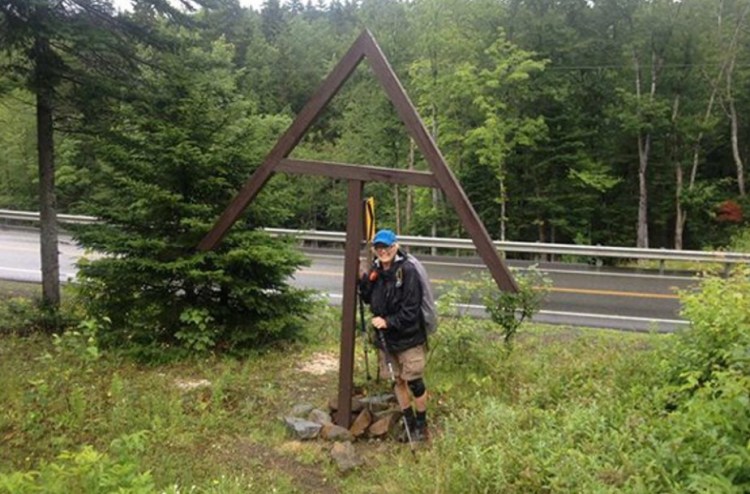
column 615, row 122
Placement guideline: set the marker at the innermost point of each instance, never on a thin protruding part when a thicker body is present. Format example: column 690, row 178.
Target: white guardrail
column 539, row 248
column 30, row 216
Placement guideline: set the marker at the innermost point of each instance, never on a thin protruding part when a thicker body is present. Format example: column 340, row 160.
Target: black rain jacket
column 396, row 296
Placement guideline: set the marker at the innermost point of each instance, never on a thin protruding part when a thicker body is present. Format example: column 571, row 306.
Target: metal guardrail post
column 662, row 264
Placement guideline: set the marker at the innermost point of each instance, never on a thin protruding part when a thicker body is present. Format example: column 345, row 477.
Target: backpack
column 429, row 311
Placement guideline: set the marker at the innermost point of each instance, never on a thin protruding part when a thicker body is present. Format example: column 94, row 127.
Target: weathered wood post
column 354, row 234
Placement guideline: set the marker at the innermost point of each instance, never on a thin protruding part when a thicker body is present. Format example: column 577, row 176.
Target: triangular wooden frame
column 441, row 176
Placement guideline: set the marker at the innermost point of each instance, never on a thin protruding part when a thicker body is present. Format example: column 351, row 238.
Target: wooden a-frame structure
column 440, row 176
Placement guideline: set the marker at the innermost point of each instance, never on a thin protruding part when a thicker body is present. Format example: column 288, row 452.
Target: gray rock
column 301, row 410
column 319, row 417
column 301, row 428
column 378, row 403
column 345, row 456
column 357, row 405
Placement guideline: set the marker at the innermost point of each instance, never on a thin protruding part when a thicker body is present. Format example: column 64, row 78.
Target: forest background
column 615, row 122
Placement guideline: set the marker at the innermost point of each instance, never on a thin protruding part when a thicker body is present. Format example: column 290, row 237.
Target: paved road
column 581, row 295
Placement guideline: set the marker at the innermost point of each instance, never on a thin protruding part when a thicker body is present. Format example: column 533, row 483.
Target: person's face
column 385, row 253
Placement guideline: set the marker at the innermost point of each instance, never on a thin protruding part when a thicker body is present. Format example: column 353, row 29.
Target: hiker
column 392, row 289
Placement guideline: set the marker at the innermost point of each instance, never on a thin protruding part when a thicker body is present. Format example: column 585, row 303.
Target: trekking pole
column 392, row 374
column 364, row 335
column 368, row 217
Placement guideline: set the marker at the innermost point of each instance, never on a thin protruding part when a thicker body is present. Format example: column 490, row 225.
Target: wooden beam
column 357, row 172
column 286, row 142
column 448, row 183
column 354, row 234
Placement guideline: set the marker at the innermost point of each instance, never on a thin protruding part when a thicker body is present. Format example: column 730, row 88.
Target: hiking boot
column 418, row 435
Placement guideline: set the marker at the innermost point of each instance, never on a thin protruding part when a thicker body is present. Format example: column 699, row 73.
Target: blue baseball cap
column 384, row 237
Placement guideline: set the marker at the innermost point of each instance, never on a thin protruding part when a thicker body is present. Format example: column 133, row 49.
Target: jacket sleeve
column 411, row 302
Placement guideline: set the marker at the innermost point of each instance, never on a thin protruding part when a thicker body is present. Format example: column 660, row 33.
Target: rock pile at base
column 373, row 417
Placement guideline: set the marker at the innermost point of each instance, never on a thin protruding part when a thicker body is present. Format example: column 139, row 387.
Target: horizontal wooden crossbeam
column 358, row 172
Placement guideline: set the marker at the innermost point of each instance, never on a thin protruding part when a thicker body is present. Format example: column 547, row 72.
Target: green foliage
column 87, row 471
column 196, row 333
column 79, row 344
column 24, row 315
column 719, row 334
column 512, row 93
column 18, row 167
column 697, row 442
column 740, row 241
column 19, row 315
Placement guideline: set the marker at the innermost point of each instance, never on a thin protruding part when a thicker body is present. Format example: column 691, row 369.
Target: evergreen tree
column 175, row 159
column 52, row 46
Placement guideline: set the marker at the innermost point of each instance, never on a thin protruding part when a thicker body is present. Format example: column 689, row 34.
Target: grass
column 11, row 289
column 544, row 416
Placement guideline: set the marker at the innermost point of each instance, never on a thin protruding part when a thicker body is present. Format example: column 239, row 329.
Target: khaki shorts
column 408, row 365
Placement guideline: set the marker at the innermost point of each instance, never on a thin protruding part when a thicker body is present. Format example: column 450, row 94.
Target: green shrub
column 698, row 441
column 719, row 335
column 740, row 241
column 87, row 471
column 19, row 315
column 24, row 315
column 507, row 310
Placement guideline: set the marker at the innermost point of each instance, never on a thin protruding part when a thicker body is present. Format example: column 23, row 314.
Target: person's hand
column 370, row 275
column 379, row 323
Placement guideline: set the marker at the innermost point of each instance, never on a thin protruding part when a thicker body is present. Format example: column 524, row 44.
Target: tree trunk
column 503, row 207
column 47, row 198
column 675, row 153
column 397, row 203
column 734, row 128
column 736, row 149
column 644, row 146
column 435, row 192
column 409, row 190
column 679, row 222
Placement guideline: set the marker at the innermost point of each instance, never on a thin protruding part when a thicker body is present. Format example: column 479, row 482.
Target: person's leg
column 400, row 387
column 401, row 390
column 419, row 392
column 413, row 362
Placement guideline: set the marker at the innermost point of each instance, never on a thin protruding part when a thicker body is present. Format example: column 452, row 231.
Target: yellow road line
column 583, row 291
column 614, row 293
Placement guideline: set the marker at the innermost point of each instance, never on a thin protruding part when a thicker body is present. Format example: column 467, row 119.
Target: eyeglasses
column 381, row 247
